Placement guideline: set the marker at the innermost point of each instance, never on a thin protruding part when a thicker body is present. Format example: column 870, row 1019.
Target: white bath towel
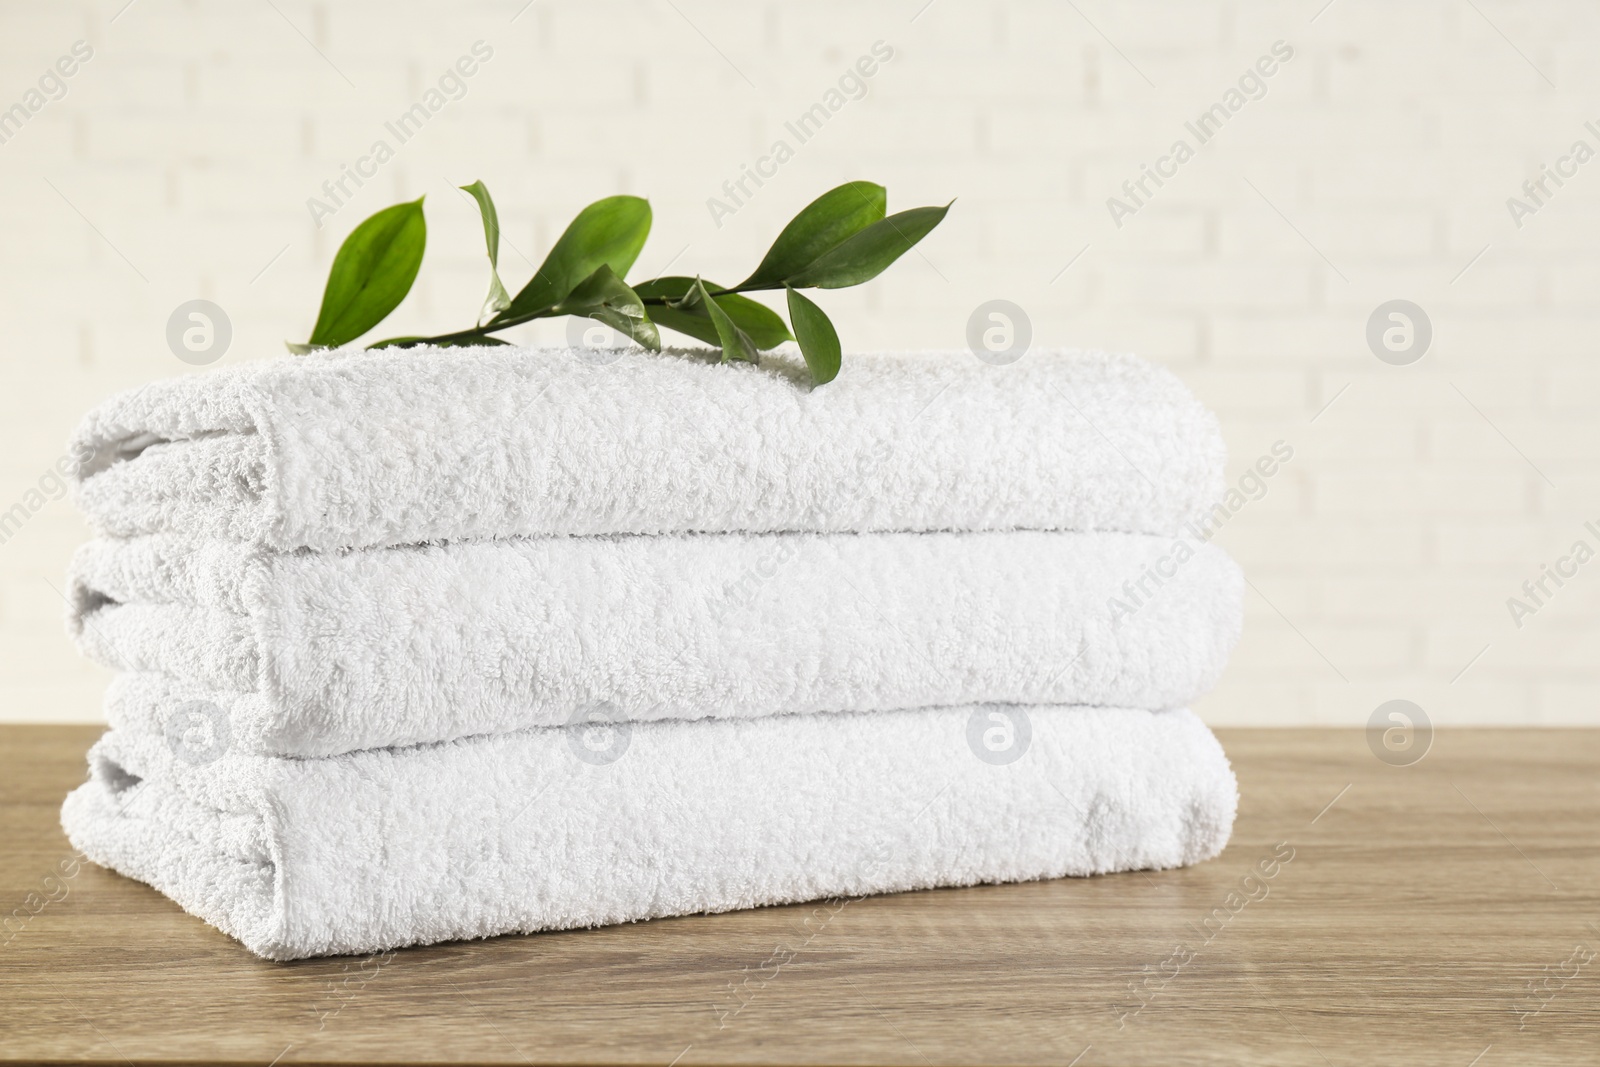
column 403, row 447
column 320, row 653
column 537, row 830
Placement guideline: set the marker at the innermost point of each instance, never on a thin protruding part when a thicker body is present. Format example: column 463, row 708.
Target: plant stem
column 496, row 325
column 659, row 301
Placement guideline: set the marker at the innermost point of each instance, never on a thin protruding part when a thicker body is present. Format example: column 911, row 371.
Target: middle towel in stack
column 346, row 555
column 315, row 654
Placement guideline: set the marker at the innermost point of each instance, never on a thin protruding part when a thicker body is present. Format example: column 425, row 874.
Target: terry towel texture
column 317, row 654
column 422, row 645
column 410, row 446
column 515, row 833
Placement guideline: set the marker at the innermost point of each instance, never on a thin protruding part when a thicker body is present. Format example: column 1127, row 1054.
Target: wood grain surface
column 1440, row 913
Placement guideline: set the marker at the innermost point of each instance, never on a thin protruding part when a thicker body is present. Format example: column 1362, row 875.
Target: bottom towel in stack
column 561, row 827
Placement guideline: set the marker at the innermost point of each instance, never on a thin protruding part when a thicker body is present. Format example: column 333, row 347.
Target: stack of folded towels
column 422, row 645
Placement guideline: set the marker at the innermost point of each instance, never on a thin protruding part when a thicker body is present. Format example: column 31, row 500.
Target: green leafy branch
column 844, row 237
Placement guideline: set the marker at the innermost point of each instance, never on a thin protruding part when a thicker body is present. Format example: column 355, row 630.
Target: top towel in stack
column 406, row 447
column 366, row 550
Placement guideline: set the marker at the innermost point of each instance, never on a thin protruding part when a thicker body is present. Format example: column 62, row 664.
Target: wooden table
column 1441, row 913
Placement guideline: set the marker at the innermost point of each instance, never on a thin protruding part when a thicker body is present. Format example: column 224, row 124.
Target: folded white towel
column 320, row 653
column 402, row 447
column 534, row 831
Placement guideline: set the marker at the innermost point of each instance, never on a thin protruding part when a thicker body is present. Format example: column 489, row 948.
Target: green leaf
column 605, row 297
column 764, row 326
column 736, row 344
column 371, row 274
column 607, row 233
column 820, row 226
column 819, row 341
column 865, row 255
column 498, row 299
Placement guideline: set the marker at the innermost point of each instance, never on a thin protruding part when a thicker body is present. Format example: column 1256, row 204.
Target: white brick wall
column 183, row 153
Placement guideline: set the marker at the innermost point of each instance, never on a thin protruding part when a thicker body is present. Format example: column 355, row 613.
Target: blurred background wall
column 1377, row 161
